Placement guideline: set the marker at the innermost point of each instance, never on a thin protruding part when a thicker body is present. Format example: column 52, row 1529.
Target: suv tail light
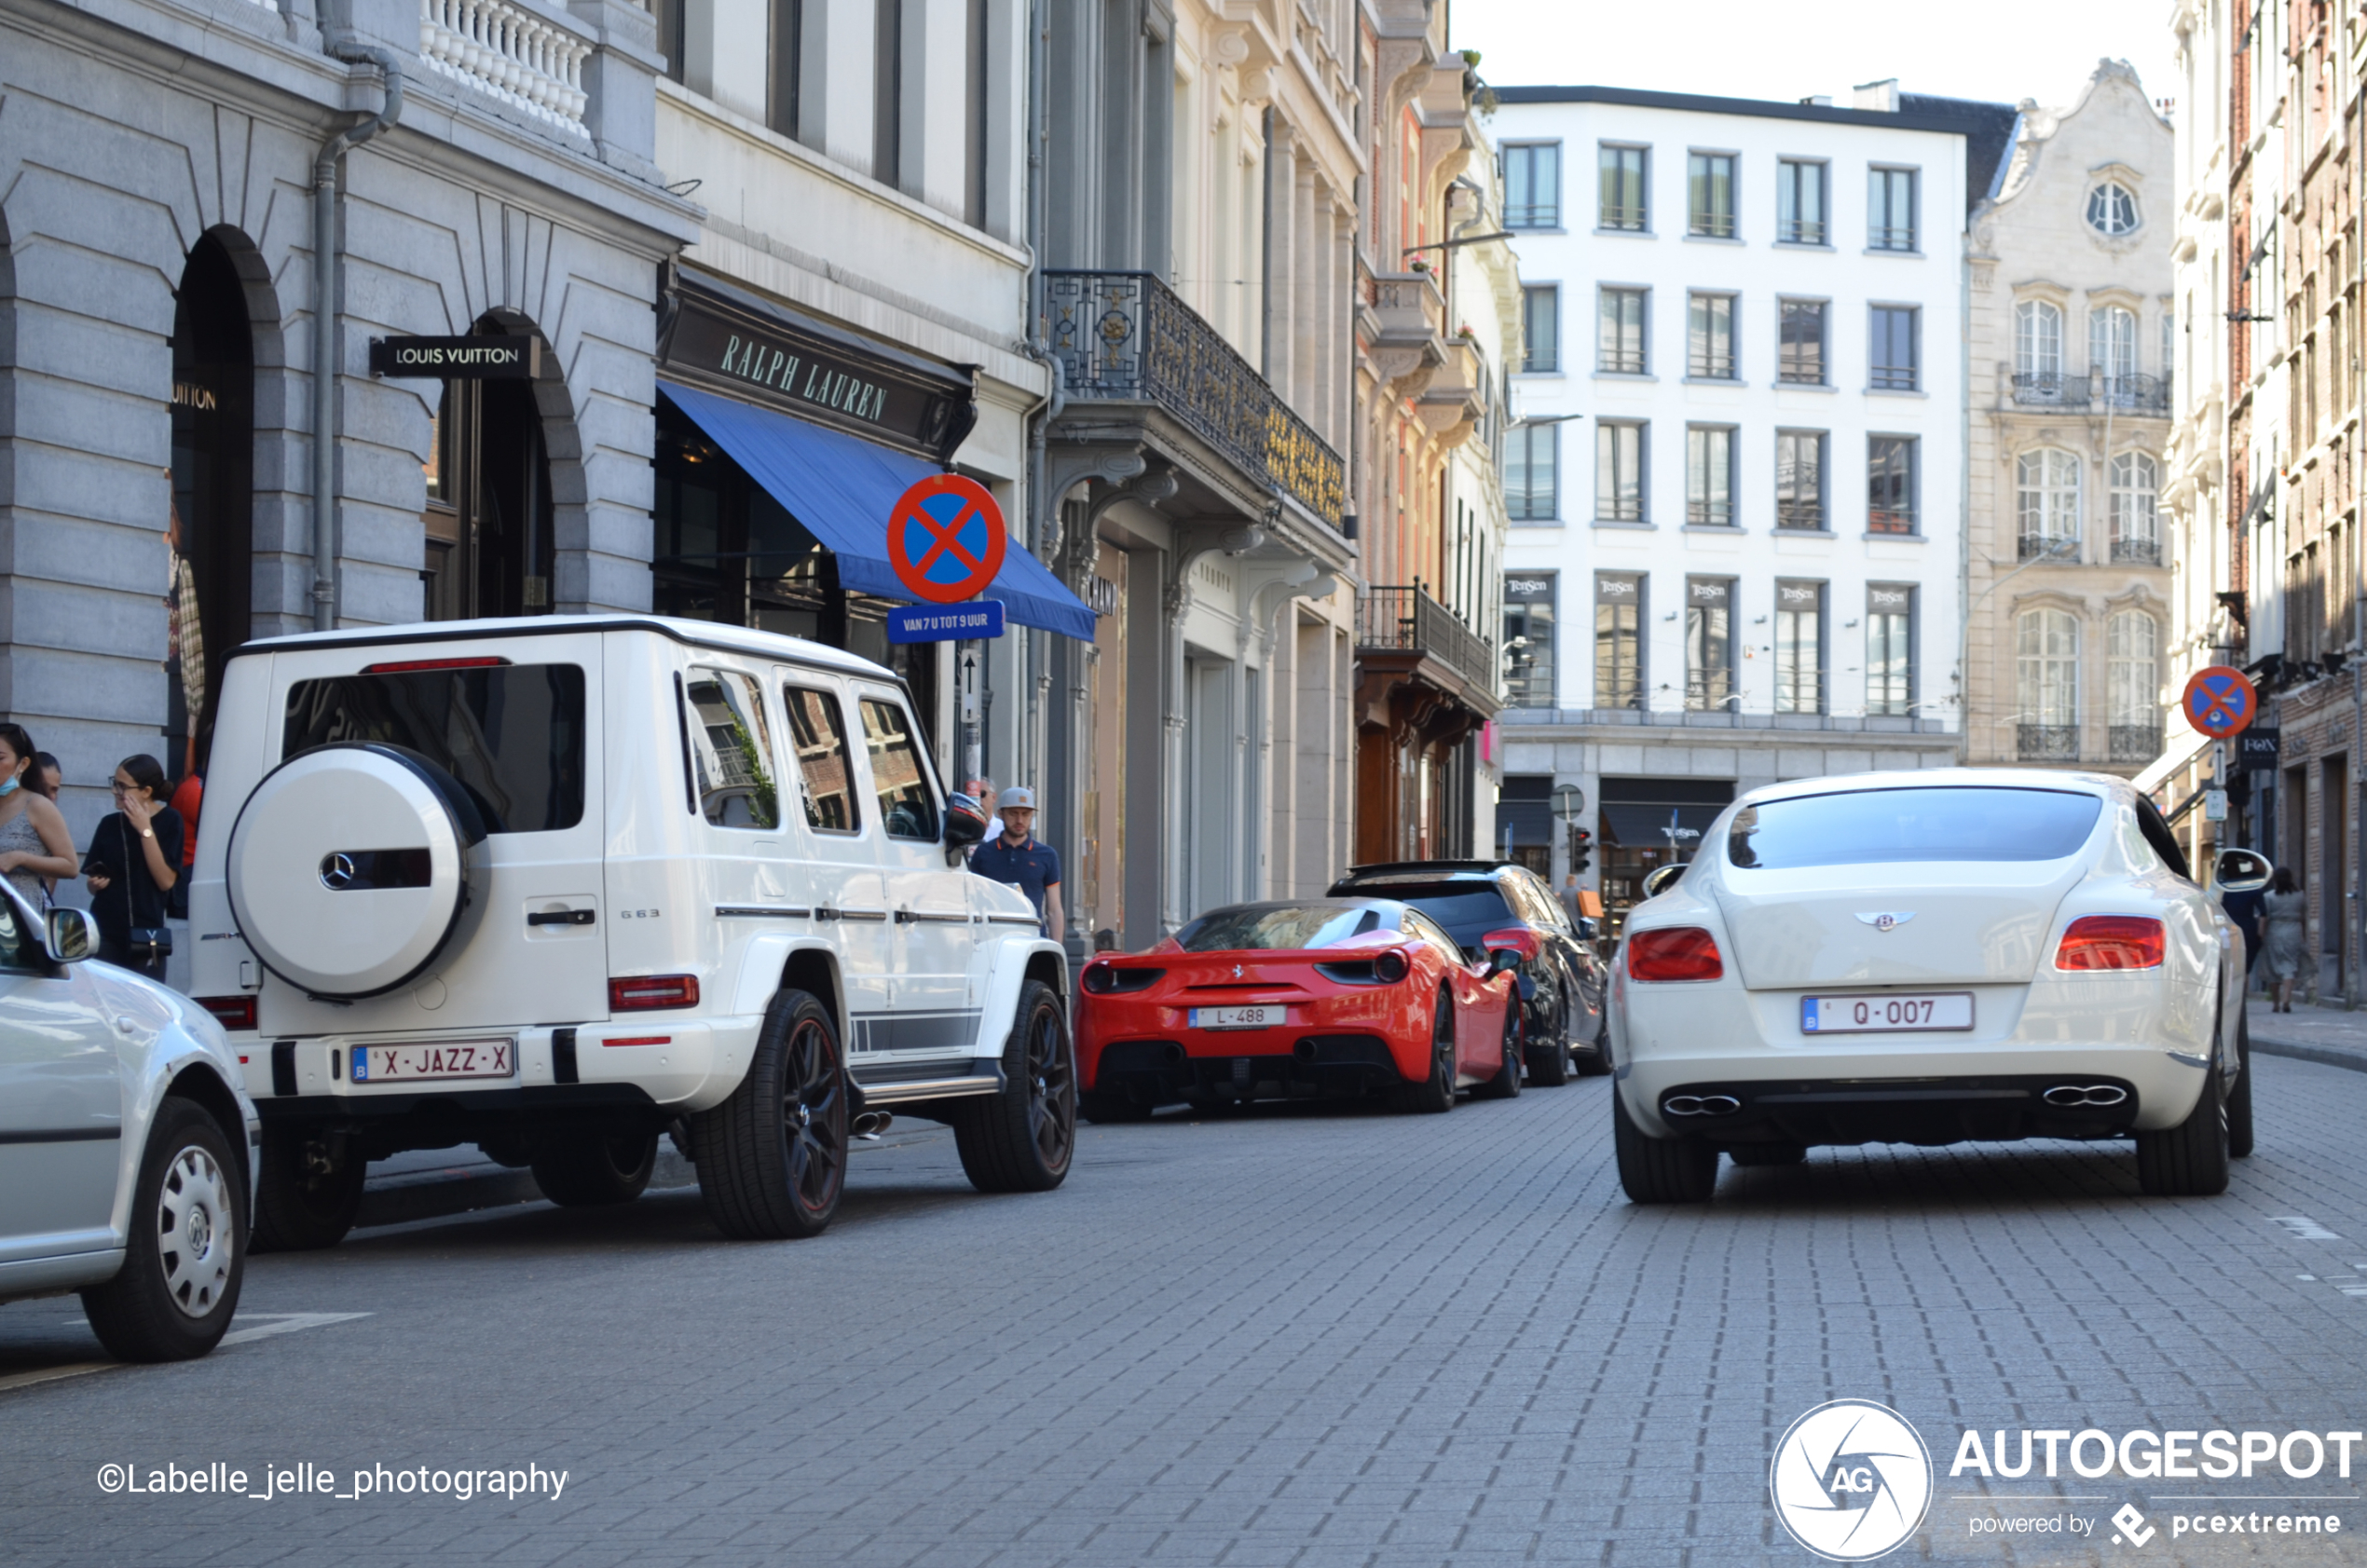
column 2110, row 942
column 232, row 1011
column 1514, row 938
column 1683, row 952
column 1104, row 979
column 647, row 993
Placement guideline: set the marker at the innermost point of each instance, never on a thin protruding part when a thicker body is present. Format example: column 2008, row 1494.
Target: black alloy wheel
column 1506, row 1085
column 2190, row 1160
column 1024, row 1138
column 1549, row 1050
column 772, row 1158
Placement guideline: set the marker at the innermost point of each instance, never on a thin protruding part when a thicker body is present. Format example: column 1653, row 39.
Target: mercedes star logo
column 336, row 871
column 1888, row 920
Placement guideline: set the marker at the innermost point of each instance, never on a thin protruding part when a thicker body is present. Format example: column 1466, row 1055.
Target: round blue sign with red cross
column 2219, row 702
column 945, row 538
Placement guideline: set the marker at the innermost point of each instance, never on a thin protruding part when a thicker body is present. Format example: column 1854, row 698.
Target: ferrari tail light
column 1389, row 967
column 2112, row 942
column 1108, row 980
column 1683, row 952
column 231, row 1012
column 647, row 993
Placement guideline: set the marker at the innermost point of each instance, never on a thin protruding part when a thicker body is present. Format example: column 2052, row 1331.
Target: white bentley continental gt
column 1931, row 957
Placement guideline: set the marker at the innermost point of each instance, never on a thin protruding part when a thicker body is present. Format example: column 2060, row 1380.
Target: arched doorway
column 491, row 542
column 210, row 590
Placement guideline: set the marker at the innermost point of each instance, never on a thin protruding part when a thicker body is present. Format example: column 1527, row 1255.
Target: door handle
column 560, row 917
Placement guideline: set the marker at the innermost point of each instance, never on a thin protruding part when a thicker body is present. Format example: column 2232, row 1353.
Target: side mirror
column 1662, row 880
column 1588, row 928
column 1502, row 960
column 2241, row 871
column 964, row 822
column 70, row 935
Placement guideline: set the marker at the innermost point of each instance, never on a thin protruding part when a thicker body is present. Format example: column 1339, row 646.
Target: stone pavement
column 1294, row 1338
column 2318, row 1034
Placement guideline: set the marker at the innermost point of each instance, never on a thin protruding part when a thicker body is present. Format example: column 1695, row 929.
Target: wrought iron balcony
column 1126, row 337
column 2140, row 394
column 2047, row 743
column 2049, row 547
column 2135, row 742
column 2139, row 552
column 2137, row 394
column 2050, row 391
column 1401, row 619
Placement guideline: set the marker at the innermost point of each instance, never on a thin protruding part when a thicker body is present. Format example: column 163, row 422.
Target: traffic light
column 1581, row 851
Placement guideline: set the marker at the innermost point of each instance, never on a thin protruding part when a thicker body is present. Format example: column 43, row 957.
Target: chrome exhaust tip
column 2066, row 1096
column 1700, row 1105
column 872, row 1123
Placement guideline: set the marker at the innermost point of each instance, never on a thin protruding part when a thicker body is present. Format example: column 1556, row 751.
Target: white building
column 1737, row 488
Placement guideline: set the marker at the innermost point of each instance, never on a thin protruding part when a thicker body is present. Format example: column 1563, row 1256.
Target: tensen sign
column 511, row 357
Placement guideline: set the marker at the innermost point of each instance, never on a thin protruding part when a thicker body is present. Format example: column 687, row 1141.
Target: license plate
column 1239, row 1017
column 442, row 1058
column 1866, row 1014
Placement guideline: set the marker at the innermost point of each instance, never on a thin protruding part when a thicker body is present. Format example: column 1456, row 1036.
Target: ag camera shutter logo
column 1851, row 1480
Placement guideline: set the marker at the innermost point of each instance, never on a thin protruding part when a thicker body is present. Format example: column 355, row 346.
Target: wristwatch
column 147, row 833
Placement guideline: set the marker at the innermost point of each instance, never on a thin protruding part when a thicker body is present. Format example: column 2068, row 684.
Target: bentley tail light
column 647, row 993
column 2112, row 942
column 1684, row 952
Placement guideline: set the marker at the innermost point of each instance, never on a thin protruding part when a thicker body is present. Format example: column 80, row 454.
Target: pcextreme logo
column 1851, row 1480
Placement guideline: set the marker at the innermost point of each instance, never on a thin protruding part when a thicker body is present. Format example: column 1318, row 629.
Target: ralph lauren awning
column 1648, row 828
column 841, row 487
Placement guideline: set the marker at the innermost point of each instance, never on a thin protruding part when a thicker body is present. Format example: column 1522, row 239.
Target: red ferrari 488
column 1315, row 996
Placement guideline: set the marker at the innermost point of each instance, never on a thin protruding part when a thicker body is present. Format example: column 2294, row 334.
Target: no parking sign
column 2219, row 702
column 945, row 538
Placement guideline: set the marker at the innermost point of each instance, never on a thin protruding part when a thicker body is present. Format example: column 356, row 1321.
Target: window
column 731, row 751
column 1896, row 363
column 2136, row 526
column 817, row 734
column 908, row 806
column 1890, row 484
column 2132, row 690
column 1800, row 479
column 2111, row 210
column 1709, row 644
column 781, row 98
column 1709, row 338
column 1801, row 343
column 1799, row 202
column 1709, row 475
column 2038, row 344
column 1619, row 640
column 2046, row 504
column 1709, row 195
column 1541, row 329
column 1621, row 195
column 1890, row 209
column 1890, row 649
column 1887, row 826
column 1799, row 647
column 1528, row 639
column 1533, row 185
column 978, row 118
column 1618, row 336
column 887, row 93
column 2112, row 352
column 2047, row 686
column 1618, row 472
column 512, row 734
column 1533, row 473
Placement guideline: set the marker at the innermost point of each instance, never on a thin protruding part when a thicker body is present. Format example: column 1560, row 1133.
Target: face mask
column 8, row 788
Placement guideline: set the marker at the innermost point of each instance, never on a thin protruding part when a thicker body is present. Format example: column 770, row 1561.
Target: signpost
column 945, row 542
column 2219, row 702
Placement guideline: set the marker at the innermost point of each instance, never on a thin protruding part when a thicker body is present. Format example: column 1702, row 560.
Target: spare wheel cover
column 348, row 868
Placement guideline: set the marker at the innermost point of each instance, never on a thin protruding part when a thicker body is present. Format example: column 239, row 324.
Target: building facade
column 212, row 208
column 2074, row 334
column 1737, row 515
column 2269, row 430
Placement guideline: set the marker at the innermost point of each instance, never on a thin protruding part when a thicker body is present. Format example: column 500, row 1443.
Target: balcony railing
column 2135, row 742
column 1399, row 620
column 510, row 54
column 2139, row 552
column 1126, row 337
column 2049, row 547
column 2139, row 395
column 2047, row 743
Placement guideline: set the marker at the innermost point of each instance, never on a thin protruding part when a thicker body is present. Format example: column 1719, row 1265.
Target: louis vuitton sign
column 506, row 357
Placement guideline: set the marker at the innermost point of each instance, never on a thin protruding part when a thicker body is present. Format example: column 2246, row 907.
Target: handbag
column 147, row 943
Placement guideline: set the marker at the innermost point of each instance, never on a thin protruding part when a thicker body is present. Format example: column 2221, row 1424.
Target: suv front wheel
column 1021, row 1140
column 772, row 1158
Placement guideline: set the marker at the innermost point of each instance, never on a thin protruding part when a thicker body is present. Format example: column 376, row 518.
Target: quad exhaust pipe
column 2065, row 1096
column 872, row 1123
column 1700, row 1105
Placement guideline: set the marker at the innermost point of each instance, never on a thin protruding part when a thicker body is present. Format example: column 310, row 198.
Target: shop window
column 210, row 524
column 1889, row 650
column 1619, row 640
column 1709, row 644
column 489, row 549
column 1528, row 639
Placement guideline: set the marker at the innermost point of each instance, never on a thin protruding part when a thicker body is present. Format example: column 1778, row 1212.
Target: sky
column 2003, row 51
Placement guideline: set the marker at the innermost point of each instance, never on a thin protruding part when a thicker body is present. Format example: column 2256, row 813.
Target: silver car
column 125, row 1132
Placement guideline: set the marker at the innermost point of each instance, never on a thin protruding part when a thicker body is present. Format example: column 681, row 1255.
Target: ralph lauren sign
column 720, row 337
column 505, row 358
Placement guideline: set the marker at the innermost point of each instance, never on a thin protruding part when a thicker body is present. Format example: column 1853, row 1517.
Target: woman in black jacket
column 134, row 860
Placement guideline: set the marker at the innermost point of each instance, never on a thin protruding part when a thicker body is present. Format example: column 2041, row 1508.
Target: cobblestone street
column 1311, row 1337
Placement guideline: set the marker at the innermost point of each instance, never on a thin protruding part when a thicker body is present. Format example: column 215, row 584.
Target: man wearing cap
column 1018, row 859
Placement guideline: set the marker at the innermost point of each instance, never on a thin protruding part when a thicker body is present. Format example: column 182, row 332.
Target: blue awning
column 842, row 488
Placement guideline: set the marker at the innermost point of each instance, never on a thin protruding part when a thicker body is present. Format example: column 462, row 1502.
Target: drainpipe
column 326, row 264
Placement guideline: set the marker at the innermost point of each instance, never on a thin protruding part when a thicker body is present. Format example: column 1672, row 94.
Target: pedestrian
column 982, row 790
column 188, row 797
column 135, row 862
column 2282, row 909
column 35, row 847
column 45, row 776
column 2244, row 909
column 1017, row 858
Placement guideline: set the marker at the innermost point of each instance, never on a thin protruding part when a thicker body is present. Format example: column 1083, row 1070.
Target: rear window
column 512, row 734
column 1282, row 926
column 1465, row 908
column 1878, row 827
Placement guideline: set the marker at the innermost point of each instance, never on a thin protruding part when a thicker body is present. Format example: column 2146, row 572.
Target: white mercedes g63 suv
column 556, row 885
